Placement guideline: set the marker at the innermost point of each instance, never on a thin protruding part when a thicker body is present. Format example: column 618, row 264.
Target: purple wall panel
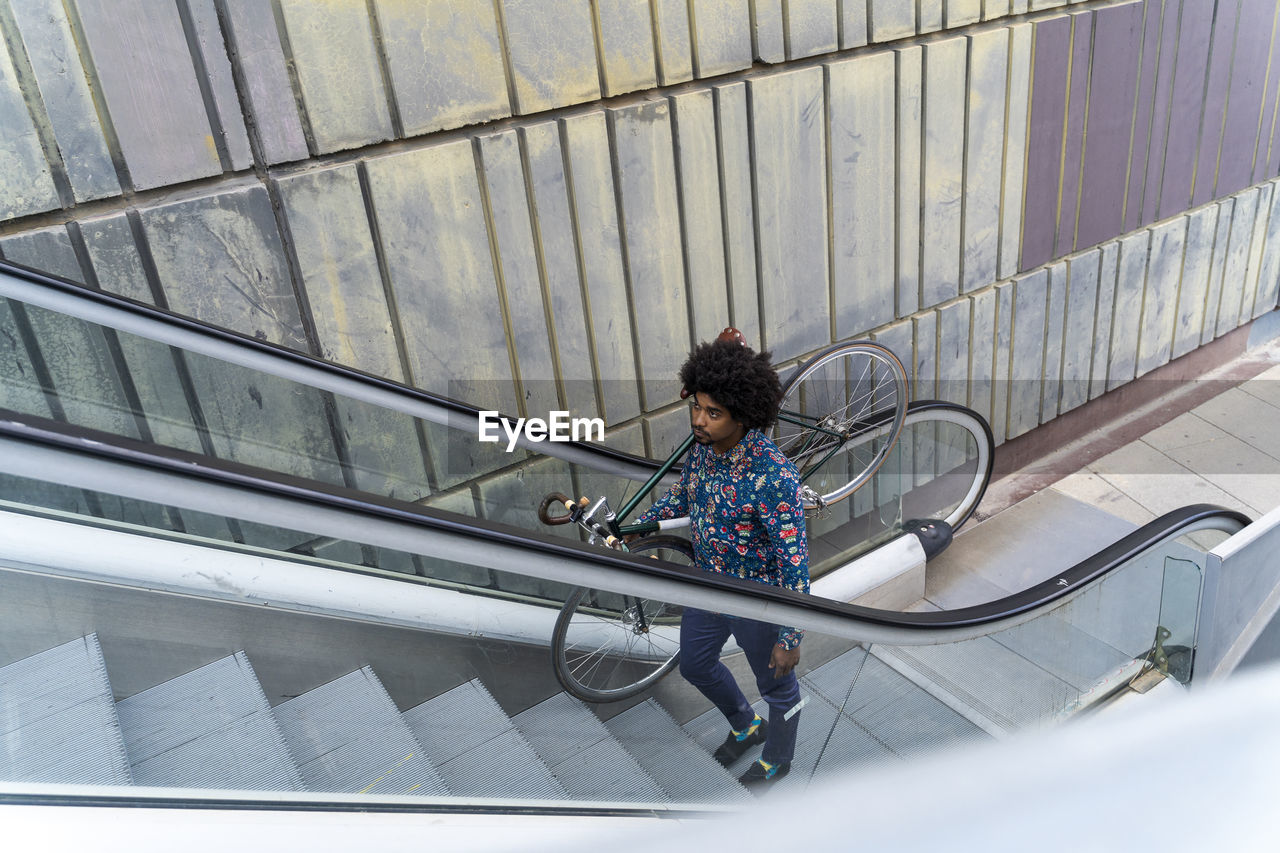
column 1111, row 100
column 1044, row 140
column 1160, row 110
column 1073, row 151
column 1248, row 78
column 1262, row 170
column 1184, row 113
column 1142, row 120
column 1215, row 100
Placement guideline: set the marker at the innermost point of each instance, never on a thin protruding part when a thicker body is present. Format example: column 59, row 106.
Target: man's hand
column 782, row 661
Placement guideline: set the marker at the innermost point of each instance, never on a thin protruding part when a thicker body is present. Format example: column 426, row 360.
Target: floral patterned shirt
column 745, row 515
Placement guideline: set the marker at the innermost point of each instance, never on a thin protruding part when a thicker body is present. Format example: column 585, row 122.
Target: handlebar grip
column 544, row 514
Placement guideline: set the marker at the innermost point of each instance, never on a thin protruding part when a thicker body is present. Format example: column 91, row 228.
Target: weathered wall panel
column 1244, row 106
column 812, row 28
column 702, row 232
column 910, row 69
column 113, row 252
column 862, row 144
column 1217, row 268
column 1269, row 271
column 1144, row 105
column 1044, row 140
column 1073, row 141
column 26, row 182
column 444, row 60
column 983, row 174
column 1233, row 279
column 1078, row 328
column 1160, row 304
column 277, row 127
column 739, row 210
column 146, row 76
column 226, row 116
column 1104, row 318
column 791, row 225
column 1217, row 87
column 943, row 173
column 1201, row 227
column 890, row 19
column 626, row 47
column 1179, row 155
column 1015, row 148
column 1127, row 308
column 552, row 50
column 721, row 36
column 675, row 50
column 1027, row 351
column 1153, row 163
column 1055, row 321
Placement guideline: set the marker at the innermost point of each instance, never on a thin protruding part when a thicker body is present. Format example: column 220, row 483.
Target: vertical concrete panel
column 1251, row 283
column 19, row 386
column 1160, row 108
column 1160, row 304
column 114, row 255
column 339, row 269
column 862, row 191
column 651, row 237
column 943, row 174
column 1108, row 274
column 890, row 19
column 739, row 211
column 1127, row 308
column 853, row 23
column 1216, row 90
column 444, row 61
column 1110, row 124
column 26, row 184
column 553, row 226
column 929, row 16
column 1197, row 256
column 551, row 45
column 721, row 36
column 47, row 249
column 787, row 119
column 1244, row 106
column 1078, row 328
column 982, row 348
column 1027, row 352
column 1073, row 141
column 675, row 49
column 221, row 83
column 1055, row 322
column 702, row 228
column 1002, row 385
column 64, row 93
column 769, row 31
column 988, row 68
column 1017, row 7
column 1044, row 154
column 1269, row 272
column 924, row 386
column 992, row 9
column 430, row 218
column 910, row 69
column 1184, row 112
column 962, row 12
column 626, row 46
column 220, row 260
column 1217, row 268
column 595, row 211
column 1015, row 155
column 1152, row 11
column 519, row 277
column 1266, row 131
column 338, row 71
column 953, row 351
column 266, row 88
column 1233, row 279
column 899, row 337
column 146, row 76
column 812, row 28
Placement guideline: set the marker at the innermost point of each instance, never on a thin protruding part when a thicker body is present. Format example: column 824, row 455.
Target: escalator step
column 680, row 766
column 211, row 728
column 347, row 736
column 476, row 748
column 584, row 756
column 58, row 719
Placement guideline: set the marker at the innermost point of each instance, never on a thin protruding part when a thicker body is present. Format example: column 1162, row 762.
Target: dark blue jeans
column 702, row 636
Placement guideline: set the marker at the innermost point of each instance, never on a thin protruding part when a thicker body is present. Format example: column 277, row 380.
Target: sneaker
column 761, row 775
column 738, row 743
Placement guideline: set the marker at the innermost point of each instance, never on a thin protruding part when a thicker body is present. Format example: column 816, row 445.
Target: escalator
column 242, row 592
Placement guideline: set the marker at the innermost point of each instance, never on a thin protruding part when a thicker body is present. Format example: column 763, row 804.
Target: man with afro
column 746, row 516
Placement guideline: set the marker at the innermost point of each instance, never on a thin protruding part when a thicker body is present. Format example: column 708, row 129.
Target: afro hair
column 736, row 377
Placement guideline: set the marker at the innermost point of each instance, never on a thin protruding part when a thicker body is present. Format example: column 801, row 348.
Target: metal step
column 680, row 766
column 347, row 736
column 58, row 718
column 477, row 749
column 211, row 728
column 583, row 755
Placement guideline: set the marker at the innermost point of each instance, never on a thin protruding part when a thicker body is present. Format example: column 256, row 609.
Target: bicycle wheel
column 842, row 411
column 607, row 646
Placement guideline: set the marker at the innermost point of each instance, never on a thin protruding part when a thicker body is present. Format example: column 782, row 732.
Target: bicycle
column 842, row 411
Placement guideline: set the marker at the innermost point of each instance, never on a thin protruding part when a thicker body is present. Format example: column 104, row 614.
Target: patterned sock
column 749, row 731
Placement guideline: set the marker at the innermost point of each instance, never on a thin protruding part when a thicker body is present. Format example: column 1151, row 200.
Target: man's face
column 712, row 424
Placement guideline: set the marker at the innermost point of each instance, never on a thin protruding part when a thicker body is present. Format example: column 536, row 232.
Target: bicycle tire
column 858, row 391
column 606, row 646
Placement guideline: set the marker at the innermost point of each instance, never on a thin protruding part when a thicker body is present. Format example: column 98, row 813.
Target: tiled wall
column 1031, row 205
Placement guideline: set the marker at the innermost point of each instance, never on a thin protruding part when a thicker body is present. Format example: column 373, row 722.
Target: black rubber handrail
column 86, row 442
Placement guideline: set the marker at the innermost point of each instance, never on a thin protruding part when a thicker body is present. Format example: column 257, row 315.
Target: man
column 742, row 496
